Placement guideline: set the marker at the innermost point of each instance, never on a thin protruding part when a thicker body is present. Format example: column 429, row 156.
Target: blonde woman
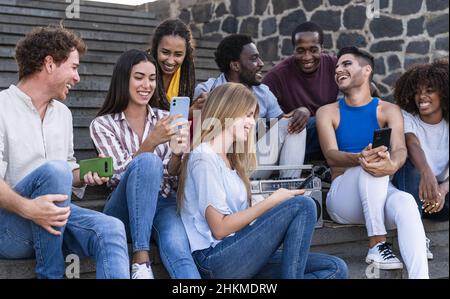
column 229, row 237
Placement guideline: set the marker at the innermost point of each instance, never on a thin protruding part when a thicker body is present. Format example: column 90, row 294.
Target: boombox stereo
column 262, row 188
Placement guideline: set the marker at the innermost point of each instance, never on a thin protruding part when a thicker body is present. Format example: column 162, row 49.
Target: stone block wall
column 400, row 33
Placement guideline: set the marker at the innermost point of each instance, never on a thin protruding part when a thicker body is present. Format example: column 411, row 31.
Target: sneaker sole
column 382, row 266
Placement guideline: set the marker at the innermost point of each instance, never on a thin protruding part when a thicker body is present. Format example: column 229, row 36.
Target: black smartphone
column 382, row 137
column 306, row 182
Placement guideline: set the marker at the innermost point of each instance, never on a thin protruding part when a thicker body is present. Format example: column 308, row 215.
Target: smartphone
column 180, row 105
column 382, row 137
column 102, row 166
column 306, row 182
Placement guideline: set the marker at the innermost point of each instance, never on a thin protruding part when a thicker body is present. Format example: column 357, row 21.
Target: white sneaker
column 141, row 271
column 429, row 253
column 382, row 257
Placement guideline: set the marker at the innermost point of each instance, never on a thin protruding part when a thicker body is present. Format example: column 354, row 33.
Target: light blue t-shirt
column 209, row 182
column 268, row 104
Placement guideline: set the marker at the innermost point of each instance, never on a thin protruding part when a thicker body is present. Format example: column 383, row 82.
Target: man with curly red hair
column 38, row 168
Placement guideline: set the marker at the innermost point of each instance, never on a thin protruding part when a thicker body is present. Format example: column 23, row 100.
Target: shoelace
column 386, row 251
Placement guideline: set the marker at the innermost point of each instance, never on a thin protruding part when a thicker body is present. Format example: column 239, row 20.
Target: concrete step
column 84, row 9
column 25, row 268
column 92, row 82
column 349, row 242
column 331, row 239
column 39, row 17
column 333, row 233
column 87, row 35
column 101, row 44
column 98, row 4
column 353, row 253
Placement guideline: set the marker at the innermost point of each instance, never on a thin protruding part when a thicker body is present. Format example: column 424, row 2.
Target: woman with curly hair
column 422, row 94
column 173, row 49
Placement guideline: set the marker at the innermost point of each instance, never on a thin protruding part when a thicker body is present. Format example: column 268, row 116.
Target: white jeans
column 357, row 197
column 278, row 147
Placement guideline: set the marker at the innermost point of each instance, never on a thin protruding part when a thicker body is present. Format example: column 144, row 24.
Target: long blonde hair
column 228, row 101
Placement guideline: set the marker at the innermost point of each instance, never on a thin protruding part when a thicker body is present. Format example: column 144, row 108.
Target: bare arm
column 415, row 153
column 162, row 133
column 11, row 201
column 398, row 146
column 223, row 225
column 428, row 187
column 179, row 144
column 173, row 167
column 41, row 210
column 444, row 186
column 328, row 143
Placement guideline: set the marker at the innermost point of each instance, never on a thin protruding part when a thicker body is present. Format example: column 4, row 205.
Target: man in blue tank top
column 361, row 192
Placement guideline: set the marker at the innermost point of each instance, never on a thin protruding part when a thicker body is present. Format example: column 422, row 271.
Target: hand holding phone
column 382, row 137
column 101, row 166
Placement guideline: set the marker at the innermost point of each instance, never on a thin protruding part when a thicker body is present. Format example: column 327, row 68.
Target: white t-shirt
column 433, row 140
column 209, row 182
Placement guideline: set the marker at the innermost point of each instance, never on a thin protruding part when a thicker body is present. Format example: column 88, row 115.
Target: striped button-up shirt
column 113, row 137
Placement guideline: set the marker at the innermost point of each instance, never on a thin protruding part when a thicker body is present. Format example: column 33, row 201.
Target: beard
column 248, row 79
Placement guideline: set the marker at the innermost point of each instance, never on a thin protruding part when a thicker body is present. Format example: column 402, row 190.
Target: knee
column 304, row 204
column 373, row 179
column 110, row 228
column 341, row 268
column 148, row 161
column 404, row 205
column 176, row 245
column 58, row 171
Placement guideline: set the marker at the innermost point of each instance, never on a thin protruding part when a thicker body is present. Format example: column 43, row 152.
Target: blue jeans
column 136, row 201
column 313, row 150
column 172, row 240
column 253, row 252
column 87, row 233
column 407, row 179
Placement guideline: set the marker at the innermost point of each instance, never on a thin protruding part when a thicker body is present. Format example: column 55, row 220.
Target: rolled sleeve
column 273, row 109
column 200, row 88
column 409, row 123
column 207, row 181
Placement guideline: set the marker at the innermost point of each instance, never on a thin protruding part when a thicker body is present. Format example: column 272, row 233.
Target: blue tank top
column 356, row 126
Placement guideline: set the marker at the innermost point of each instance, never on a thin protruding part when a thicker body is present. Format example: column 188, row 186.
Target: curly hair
column 434, row 75
column 54, row 41
column 229, row 50
column 174, row 27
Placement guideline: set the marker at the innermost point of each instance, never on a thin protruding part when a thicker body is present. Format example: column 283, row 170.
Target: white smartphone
column 180, row 105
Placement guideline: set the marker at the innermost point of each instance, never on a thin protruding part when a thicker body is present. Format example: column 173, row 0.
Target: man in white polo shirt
column 38, row 168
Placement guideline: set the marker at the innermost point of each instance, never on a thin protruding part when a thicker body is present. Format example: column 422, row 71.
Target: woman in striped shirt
column 146, row 152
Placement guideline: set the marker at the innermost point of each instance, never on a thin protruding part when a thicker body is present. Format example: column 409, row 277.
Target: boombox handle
column 285, row 167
